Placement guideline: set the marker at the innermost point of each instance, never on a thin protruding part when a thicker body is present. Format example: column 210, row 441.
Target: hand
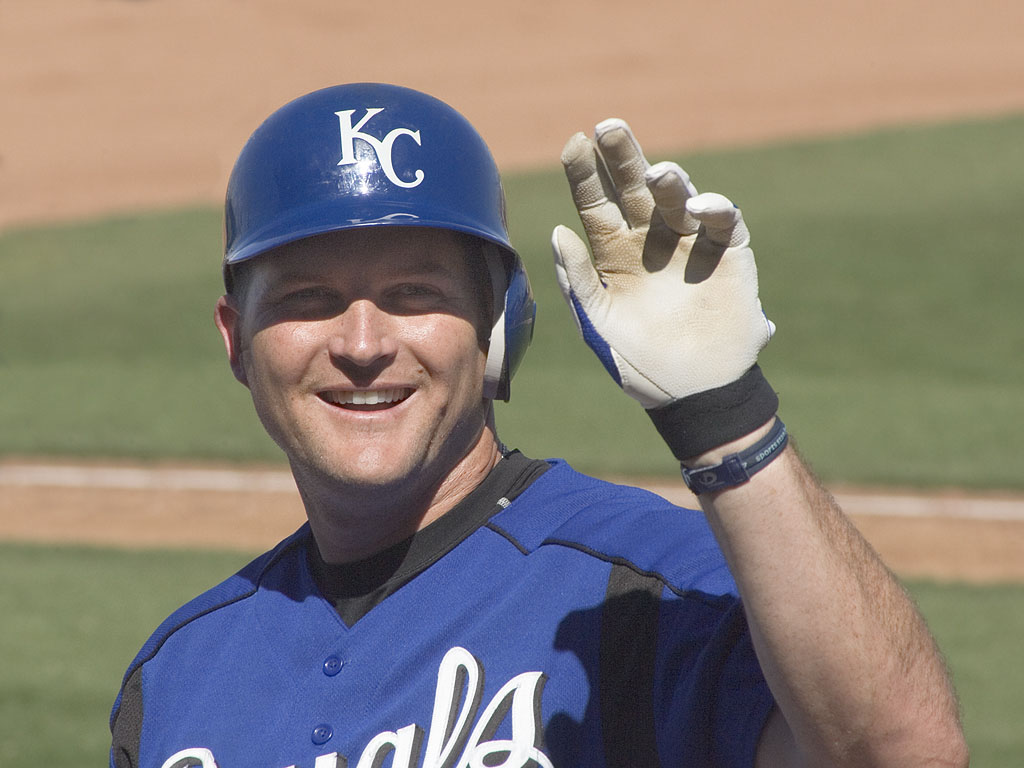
column 669, row 303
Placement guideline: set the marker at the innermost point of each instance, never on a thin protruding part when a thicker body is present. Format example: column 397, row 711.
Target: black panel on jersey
column 127, row 730
column 355, row 588
column 629, row 642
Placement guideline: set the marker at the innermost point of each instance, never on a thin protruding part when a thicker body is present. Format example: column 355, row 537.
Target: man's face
column 363, row 353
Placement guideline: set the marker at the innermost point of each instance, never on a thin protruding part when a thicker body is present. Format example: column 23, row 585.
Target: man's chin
column 368, row 472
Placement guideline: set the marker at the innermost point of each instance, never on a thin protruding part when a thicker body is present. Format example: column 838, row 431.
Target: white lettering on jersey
column 195, row 757
column 460, row 671
column 405, row 743
column 381, row 147
column 454, row 740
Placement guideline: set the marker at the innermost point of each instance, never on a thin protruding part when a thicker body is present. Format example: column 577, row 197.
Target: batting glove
column 669, row 302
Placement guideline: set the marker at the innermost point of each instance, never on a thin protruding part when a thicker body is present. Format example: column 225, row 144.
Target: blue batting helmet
column 370, row 155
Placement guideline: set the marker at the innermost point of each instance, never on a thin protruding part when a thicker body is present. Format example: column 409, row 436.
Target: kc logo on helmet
column 381, row 147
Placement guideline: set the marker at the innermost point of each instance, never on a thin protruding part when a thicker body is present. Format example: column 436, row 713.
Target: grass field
column 889, row 262
column 74, row 618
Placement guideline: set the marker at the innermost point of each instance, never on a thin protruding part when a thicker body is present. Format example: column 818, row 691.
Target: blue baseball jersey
column 582, row 623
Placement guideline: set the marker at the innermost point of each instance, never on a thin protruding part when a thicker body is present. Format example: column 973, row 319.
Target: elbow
column 922, row 743
column 944, row 747
column 944, row 744
column 951, row 743
column 959, row 754
column 937, row 751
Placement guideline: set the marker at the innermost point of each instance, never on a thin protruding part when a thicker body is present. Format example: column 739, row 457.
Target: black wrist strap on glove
column 737, row 468
column 698, row 423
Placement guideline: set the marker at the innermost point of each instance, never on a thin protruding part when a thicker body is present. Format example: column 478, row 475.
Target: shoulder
column 232, row 591
column 621, row 524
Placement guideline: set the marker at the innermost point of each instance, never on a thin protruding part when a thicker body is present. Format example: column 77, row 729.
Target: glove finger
column 722, row 220
column 577, row 278
column 591, row 189
column 626, row 167
column 671, row 187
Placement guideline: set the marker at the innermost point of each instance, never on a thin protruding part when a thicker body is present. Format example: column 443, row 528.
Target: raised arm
column 668, row 301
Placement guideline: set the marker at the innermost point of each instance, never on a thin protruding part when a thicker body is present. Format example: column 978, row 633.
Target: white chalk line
column 902, row 504
column 145, row 479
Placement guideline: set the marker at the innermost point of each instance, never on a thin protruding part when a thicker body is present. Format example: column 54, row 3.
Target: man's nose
column 363, row 334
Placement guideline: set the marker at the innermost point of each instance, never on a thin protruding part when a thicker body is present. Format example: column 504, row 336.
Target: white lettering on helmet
column 381, row 147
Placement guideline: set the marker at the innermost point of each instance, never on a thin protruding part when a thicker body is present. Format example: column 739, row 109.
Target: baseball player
column 452, row 602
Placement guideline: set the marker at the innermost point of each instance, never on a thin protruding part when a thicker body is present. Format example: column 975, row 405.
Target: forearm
column 849, row 659
column 669, row 303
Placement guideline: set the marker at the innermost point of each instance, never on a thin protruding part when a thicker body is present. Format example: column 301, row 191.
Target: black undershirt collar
column 355, row 588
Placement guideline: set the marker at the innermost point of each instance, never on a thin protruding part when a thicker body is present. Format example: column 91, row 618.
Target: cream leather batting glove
column 669, row 301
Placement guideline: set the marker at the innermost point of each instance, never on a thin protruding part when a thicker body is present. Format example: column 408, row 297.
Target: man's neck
column 353, row 523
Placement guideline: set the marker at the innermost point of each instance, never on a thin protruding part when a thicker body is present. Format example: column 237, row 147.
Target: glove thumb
column 577, row 278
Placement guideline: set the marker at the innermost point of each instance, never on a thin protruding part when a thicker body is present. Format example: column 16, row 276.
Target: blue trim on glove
column 595, row 340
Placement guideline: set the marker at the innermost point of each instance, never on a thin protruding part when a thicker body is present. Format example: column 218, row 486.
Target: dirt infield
column 116, row 104
column 112, row 105
column 949, row 536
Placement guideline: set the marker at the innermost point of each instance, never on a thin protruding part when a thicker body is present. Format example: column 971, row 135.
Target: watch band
column 737, row 468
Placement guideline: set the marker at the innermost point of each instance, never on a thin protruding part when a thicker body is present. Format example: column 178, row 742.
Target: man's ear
column 227, row 316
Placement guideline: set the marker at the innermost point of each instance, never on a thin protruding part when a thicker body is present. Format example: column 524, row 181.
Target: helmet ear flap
column 514, row 314
column 495, row 378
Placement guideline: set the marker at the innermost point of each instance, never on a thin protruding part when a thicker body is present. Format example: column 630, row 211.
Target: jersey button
column 322, row 734
column 332, row 666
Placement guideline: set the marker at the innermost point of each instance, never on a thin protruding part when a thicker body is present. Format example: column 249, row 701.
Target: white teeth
column 368, row 397
column 365, row 398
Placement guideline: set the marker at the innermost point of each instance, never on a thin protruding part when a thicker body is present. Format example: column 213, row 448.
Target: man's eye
column 306, row 302
column 414, row 290
column 311, row 293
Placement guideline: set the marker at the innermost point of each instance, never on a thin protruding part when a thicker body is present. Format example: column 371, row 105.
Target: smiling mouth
column 366, row 399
